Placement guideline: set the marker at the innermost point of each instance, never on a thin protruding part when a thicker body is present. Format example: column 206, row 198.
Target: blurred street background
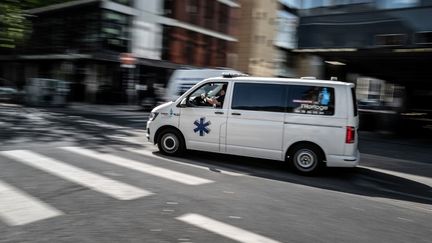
column 78, row 79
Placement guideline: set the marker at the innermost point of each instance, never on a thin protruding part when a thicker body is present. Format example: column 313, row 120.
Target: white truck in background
column 183, row 79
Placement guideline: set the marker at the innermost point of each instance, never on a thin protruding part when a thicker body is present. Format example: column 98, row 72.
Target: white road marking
column 224, row 229
column 404, row 219
column 140, row 166
column 124, row 129
column 115, row 189
column 150, row 154
column 172, row 203
column 19, row 208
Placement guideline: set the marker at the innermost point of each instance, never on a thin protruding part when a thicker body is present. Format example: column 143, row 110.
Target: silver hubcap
column 169, row 142
column 305, row 159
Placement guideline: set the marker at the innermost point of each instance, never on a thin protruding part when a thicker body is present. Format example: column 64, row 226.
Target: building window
column 224, row 13
column 192, row 6
column 115, row 31
column 166, row 42
column 169, row 8
column 423, row 37
column 189, row 50
column 209, row 13
column 207, row 50
column 125, row 2
column 221, row 53
column 192, row 9
column 390, row 40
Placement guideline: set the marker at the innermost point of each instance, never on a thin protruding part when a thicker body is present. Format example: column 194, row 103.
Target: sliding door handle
column 236, row 114
column 219, row 113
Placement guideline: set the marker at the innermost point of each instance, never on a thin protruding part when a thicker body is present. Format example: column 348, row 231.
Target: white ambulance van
column 307, row 123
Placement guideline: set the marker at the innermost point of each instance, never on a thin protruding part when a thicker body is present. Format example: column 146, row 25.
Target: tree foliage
column 14, row 24
column 29, row 4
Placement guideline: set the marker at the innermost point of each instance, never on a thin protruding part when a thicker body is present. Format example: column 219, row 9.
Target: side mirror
column 183, row 103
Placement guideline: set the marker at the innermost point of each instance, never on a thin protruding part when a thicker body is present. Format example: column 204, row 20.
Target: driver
column 217, row 100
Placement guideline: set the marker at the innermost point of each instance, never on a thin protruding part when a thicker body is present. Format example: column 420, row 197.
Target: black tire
column 306, row 159
column 170, row 142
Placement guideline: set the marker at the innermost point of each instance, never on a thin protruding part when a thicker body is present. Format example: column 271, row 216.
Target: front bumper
column 149, row 132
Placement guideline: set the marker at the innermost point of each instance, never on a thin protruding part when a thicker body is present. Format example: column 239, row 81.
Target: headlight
column 153, row 115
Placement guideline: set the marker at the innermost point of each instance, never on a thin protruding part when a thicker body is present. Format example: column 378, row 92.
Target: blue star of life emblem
column 202, row 126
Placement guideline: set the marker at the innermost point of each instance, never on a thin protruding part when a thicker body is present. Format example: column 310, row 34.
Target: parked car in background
column 9, row 93
column 46, row 92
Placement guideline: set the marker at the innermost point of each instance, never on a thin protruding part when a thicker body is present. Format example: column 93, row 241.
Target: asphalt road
column 86, row 174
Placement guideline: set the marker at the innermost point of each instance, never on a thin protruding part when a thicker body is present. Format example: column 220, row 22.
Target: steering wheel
column 201, row 100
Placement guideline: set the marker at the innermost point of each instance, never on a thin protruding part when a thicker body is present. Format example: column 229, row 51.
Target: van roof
column 283, row 80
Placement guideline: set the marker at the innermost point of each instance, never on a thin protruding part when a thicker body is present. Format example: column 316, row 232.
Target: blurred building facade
column 286, row 39
column 200, row 32
column 81, row 42
column 267, row 35
column 187, row 32
column 258, row 28
column 77, row 41
column 256, row 34
column 384, row 46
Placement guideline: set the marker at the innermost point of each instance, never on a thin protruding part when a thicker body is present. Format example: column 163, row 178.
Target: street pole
column 128, row 62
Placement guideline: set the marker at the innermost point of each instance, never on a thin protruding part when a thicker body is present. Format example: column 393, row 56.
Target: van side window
column 312, row 100
column 258, row 97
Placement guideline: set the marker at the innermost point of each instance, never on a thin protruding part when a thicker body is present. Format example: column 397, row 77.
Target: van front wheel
column 170, row 142
column 305, row 160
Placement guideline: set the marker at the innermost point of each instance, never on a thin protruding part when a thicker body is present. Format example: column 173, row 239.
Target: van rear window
column 354, row 99
column 312, row 100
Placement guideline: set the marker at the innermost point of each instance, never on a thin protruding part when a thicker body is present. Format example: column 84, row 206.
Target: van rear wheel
column 170, row 142
column 306, row 160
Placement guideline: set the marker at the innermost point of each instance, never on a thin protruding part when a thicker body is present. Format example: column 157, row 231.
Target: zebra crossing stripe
column 19, row 208
column 140, row 166
column 115, row 189
column 224, row 229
